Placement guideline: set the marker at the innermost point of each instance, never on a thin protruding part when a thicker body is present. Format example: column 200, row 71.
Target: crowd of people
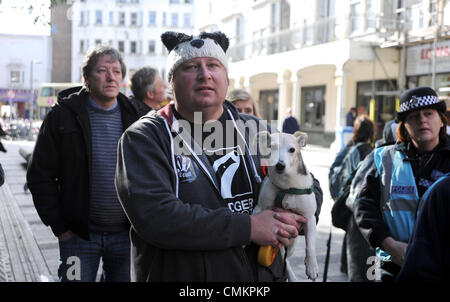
column 391, row 186
column 134, row 186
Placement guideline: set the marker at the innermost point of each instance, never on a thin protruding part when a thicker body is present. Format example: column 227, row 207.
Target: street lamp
column 31, row 109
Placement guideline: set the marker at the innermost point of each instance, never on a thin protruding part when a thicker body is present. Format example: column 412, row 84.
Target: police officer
column 388, row 186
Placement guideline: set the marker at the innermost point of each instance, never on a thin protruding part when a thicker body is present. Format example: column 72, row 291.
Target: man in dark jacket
column 290, row 124
column 188, row 195
column 71, row 172
column 148, row 89
column 428, row 255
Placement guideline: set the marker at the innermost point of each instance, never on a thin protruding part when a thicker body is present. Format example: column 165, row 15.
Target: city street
column 43, row 246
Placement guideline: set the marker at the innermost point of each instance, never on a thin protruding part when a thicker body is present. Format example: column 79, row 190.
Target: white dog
column 289, row 179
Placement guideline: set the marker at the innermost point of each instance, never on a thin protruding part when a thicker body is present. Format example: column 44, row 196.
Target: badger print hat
column 184, row 47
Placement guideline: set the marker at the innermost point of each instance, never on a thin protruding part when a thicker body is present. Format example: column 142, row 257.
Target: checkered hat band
column 418, row 101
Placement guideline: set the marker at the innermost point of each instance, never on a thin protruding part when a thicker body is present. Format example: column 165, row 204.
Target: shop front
column 384, row 92
column 420, row 68
column 14, row 103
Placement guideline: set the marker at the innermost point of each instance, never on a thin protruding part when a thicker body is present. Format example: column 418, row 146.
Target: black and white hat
column 184, row 47
column 419, row 98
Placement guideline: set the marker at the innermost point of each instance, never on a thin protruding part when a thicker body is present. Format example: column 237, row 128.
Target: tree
column 38, row 10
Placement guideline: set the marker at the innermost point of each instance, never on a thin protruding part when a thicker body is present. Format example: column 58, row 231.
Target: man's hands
column 396, row 249
column 275, row 227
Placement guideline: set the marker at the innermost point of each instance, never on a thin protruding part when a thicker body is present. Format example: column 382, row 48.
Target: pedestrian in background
column 190, row 209
column 290, row 123
column 389, row 134
column 72, row 168
column 356, row 250
column 243, row 101
column 394, row 177
column 428, row 254
column 350, row 117
column 149, row 90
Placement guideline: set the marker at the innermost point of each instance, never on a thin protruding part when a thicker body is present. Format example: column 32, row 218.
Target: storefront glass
column 442, row 85
column 268, row 105
column 384, row 101
column 313, row 108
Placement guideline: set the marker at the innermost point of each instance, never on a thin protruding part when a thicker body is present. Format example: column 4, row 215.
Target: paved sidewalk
column 21, row 257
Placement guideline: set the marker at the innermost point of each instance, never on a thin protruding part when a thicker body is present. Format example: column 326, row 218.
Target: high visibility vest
column 399, row 194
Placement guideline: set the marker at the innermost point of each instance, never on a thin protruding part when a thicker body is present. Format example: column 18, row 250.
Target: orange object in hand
column 267, row 254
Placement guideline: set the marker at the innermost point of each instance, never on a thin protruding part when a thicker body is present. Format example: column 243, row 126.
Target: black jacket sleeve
column 2, row 176
column 365, row 190
column 42, row 175
column 319, row 197
column 428, row 254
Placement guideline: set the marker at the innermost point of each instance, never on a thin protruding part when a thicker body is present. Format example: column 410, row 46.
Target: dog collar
column 294, row 191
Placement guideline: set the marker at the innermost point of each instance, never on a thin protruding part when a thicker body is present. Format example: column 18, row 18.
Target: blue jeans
column 79, row 259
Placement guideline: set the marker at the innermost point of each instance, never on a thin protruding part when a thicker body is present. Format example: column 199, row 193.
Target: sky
column 15, row 17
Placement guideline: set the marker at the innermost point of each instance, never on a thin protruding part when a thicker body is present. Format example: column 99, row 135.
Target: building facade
column 22, row 71
column 319, row 57
column 133, row 27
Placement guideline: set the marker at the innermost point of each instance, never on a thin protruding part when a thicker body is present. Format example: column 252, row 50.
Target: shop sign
column 16, row 95
column 419, row 59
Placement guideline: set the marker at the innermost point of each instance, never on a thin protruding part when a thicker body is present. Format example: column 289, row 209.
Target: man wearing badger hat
column 388, row 186
column 189, row 202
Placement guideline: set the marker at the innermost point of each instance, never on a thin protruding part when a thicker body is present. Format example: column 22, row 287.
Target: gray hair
column 143, row 80
column 94, row 53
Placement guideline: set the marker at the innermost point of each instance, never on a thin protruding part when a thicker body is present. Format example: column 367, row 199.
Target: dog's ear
column 262, row 143
column 301, row 138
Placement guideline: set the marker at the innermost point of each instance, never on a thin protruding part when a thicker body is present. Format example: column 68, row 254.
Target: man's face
column 200, row 85
column 158, row 94
column 104, row 80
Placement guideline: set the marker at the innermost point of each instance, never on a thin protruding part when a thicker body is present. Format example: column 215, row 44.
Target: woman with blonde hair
column 243, row 101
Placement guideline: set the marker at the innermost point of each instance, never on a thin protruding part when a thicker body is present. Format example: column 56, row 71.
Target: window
column 187, row 20
column 134, row 19
column 372, row 6
column 356, row 16
column 164, row 20
column 98, row 17
column 15, row 77
column 47, row 91
column 313, row 107
column 152, row 18
column 188, row 1
column 151, row 47
column 174, row 1
column 121, row 46
column 174, row 20
column 111, row 18
column 121, row 18
column 133, row 47
column 82, row 18
column 98, row 42
column 81, row 46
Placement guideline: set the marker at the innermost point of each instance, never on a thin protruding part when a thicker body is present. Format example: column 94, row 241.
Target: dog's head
column 282, row 152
